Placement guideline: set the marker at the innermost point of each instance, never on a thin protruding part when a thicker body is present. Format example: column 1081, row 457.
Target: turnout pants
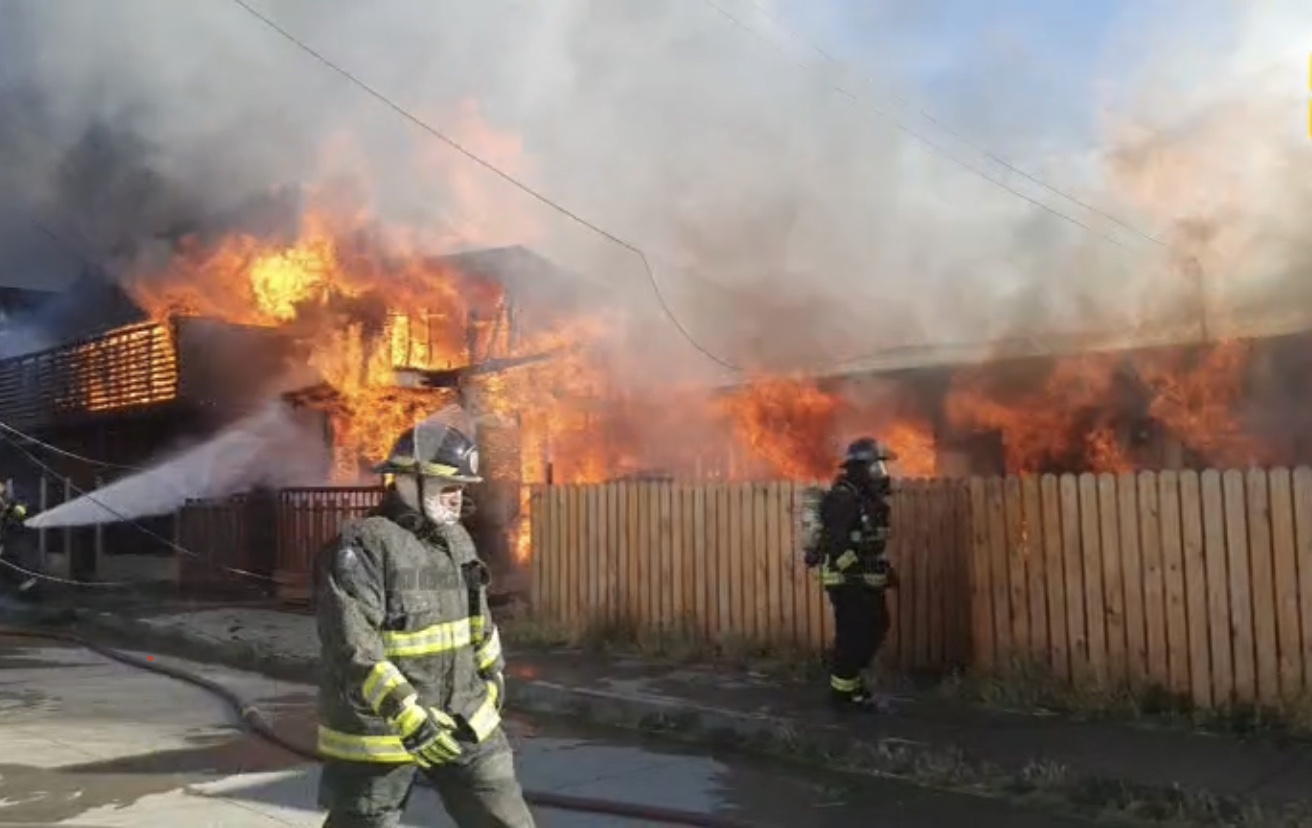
column 861, row 623
column 479, row 791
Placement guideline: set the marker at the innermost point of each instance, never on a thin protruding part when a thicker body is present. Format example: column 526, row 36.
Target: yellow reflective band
column 490, row 650
column 439, row 638
column 829, row 577
column 410, row 719
column 437, row 470
column 427, row 469
column 843, row 685
column 487, row 717
column 383, row 749
column 383, row 679
column 845, row 560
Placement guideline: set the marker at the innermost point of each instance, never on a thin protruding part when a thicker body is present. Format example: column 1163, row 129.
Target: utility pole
column 1196, row 236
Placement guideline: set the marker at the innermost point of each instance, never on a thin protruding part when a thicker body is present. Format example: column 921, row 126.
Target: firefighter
column 854, row 522
column 16, row 544
column 411, row 660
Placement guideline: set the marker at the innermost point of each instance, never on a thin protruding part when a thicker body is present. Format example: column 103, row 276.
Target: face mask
column 440, row 504
column 879, row 469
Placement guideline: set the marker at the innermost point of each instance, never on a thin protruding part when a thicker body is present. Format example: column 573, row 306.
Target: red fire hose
column 255, row 722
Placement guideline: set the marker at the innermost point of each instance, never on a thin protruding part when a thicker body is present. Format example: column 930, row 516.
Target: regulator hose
column 254, row 721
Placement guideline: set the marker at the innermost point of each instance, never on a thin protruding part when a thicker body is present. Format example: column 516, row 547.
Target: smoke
column 269, row 448
column 787, row 224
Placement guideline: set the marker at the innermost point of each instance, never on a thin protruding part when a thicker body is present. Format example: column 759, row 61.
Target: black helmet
column 434, row 448
column 867, row 451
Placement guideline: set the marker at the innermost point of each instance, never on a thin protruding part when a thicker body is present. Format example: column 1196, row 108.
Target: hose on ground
column 254, row 721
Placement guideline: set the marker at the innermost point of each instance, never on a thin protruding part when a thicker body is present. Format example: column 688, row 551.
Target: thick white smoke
column 269, row 448
column 812, row 228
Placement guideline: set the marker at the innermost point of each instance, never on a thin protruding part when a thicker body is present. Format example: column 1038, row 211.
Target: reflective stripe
column 845, row 560
column 829, row 577
column 339, row 745
column 490, row 650
column 486, row 717
column 843, row 685
column 411, row 718
column 383, row 679
column 438, row 638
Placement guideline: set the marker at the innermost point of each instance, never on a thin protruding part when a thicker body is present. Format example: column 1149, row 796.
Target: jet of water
column 271, row 447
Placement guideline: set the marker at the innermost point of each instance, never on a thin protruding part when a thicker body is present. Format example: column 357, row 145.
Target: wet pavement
column 90, row 742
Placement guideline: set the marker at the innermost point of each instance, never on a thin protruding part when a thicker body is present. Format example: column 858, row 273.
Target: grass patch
column 1020, row 686
column 1030, row 687
column 678, row 644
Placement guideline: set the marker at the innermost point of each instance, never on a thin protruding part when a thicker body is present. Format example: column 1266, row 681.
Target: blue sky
column 992, row 68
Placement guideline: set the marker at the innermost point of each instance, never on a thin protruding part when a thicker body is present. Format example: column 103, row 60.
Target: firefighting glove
column 427, row 734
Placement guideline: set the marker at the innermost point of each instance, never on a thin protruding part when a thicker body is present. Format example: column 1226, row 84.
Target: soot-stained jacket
column 402, row 609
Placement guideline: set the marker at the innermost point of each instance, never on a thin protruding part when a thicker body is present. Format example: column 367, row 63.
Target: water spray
column 267, row 448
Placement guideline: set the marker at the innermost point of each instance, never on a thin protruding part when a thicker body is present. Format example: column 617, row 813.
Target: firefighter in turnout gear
column 854, row 522
column 17, row 543
column 411, row 659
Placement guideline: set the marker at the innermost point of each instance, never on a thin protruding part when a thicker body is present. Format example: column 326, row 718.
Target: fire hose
column 255, row 722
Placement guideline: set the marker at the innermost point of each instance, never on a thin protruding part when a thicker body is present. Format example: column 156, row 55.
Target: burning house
column 356, row 366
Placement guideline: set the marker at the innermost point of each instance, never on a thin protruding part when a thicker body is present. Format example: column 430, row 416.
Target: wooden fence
column 720, row 561
column 1199, row 583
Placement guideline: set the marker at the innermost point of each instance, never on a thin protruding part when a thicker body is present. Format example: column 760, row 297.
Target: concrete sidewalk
column 1161, row 774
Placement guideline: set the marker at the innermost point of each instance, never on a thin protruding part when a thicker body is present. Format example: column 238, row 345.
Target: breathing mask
column 436, row 499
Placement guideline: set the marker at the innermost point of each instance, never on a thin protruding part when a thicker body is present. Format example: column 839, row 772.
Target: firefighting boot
column 850, row 695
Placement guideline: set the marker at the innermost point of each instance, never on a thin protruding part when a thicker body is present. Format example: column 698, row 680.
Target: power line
column 131, row 521
column 55, row 579
column 492, row 168
column 939, row 148
column 72, row 455
column 537, row 195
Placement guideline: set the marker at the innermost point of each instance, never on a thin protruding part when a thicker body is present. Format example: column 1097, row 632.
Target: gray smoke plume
column 787, row 224
column 269, row 448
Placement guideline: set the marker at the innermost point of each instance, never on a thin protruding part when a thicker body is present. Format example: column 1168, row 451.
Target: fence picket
column 1302, row 485
column 981, row 590
column 1284, row 565
column 1073, row 566
column 1094, row 600
column 1266, row 647
column 1136, row 633
column 1154, row 580
column 1241, row 620
column 1218, row 591
column 1055, row 576
column 1195, row 581
column 1036, row 551
column 1177, row 625
column 1018, row 552
column 1109, row 529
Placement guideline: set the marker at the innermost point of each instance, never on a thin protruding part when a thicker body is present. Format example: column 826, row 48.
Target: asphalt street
column 89, row 742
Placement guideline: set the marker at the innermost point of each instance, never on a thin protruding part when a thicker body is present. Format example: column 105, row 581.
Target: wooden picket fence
column 720, row 561
column 1198, row 583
